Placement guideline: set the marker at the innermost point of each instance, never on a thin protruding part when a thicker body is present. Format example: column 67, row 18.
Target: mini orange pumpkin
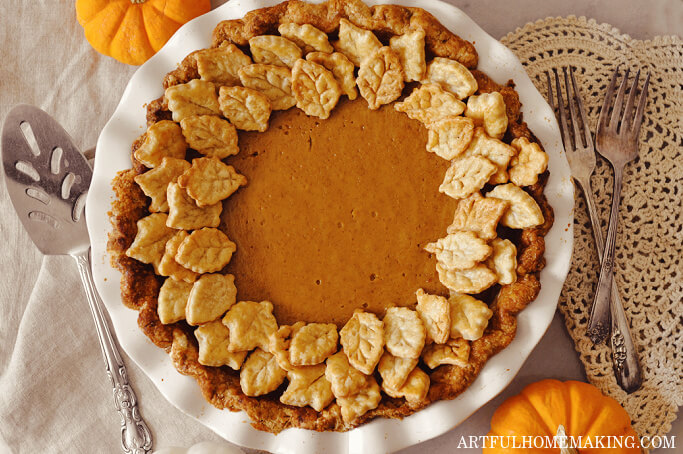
column 132, row 31
column 581, row 409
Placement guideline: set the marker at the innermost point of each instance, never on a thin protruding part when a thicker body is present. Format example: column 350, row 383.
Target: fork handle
column 136, row 437
column 599, row 319
column 601, row 299
column 624, row 355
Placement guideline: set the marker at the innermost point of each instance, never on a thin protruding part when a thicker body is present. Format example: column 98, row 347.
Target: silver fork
column 616, row 139
column 581, row 156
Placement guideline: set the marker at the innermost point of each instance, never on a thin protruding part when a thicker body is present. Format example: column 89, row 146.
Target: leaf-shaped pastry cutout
column 489, row 109
column 455, row 352
column 197, row 97
column 150, row 240
column 471, row 280
column 404, row 332
column 380, row 78
column 429, row 103
column 341, row 67
column 163, row 139
column 353, row 407
column 452, row 76
column 205, row 251
column 395, row 370
column 459, row 250
column 523, row 211
column 168, row 265
column 479, row 215
column 306, row 36
column 315, row 89
column 469, row 316
column 210, row 135
column 363, row 338
column 435, row 314
column 355, row 42
column 220, row 64
column 494, row 150
column 251, row 325
column 247, row 109
column 450, row 136
column 410, row 47
column 213, row 339
column 172, row 300
column 313, row 343
column 273, row 81
column 211, row 296
column 503, row 260
column 209, row 181
column 261, row 374
column 280, row 341
column 414, row 390
column 308, row 386
column 183, row 212
column 466, row 175
column 155, row 182
column 530, row 162
column 345, row 379
column 274, row 50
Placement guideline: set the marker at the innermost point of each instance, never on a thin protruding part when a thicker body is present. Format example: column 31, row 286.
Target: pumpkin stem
column 562, row 441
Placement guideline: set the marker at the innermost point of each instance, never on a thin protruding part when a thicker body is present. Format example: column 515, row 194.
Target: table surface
column 554, row 357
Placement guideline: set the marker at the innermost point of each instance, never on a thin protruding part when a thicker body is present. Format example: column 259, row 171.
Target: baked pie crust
column 309, row 375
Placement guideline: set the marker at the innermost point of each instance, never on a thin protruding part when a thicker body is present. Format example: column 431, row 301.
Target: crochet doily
column 650, row 236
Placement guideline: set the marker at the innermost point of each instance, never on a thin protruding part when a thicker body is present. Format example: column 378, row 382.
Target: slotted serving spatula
column 47, row 179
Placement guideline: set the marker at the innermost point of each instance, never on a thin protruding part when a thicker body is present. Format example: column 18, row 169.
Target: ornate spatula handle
column 135, row 435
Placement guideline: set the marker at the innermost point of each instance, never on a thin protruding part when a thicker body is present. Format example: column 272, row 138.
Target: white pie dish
column 380, row 435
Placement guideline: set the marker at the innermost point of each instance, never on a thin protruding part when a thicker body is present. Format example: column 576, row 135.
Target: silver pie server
column 47, row 179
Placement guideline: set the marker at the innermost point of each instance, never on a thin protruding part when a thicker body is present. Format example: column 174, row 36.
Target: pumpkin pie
column 332, row 216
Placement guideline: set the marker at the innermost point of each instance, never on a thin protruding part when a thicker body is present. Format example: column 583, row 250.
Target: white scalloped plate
column 380, row 435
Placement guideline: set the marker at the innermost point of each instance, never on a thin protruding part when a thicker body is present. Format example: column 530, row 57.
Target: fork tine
column 618, row 102
column 604, row 110
column 572, row 111
column 582, row 110
column 627, row 120
column 641, row 107
column 551, row 101
column 564, row 127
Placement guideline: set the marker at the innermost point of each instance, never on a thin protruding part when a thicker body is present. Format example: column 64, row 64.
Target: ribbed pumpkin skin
column 131, row 31
column 581, row 408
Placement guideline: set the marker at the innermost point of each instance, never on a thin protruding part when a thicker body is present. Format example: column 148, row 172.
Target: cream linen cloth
column 54, row 392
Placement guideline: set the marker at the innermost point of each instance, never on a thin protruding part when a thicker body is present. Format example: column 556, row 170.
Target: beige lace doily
column 650, row 237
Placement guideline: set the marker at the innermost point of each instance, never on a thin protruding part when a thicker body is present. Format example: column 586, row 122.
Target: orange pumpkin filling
column 332, row 220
